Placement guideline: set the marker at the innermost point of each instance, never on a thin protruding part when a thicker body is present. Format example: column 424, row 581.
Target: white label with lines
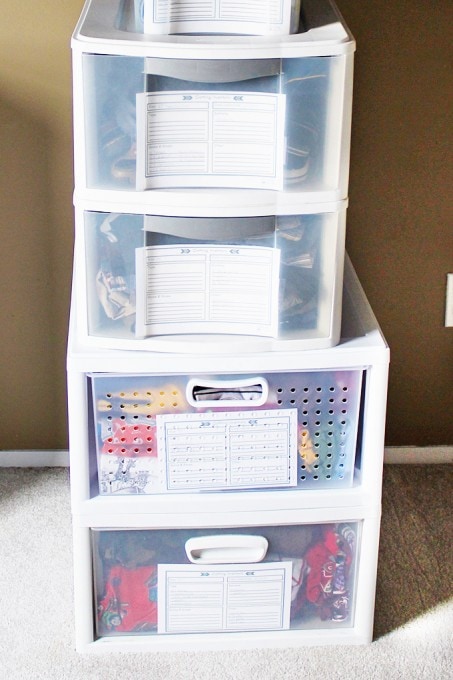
column 222, row 16
column 207, row 289
column 233, row 450
column 224, row 598
column 210, row 139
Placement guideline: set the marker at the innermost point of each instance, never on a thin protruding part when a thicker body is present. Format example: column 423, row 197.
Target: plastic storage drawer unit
column 271, row 282
column 213, row 112
column 173, row 433
column 320, row 412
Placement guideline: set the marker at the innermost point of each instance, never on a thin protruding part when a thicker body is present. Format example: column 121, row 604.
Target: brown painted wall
column 400, row 220
column 400, row 232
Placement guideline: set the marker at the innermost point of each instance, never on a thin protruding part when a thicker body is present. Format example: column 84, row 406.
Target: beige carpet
column 414, row 611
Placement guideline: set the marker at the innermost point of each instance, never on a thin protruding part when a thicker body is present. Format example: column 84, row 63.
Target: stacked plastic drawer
column 225, row 468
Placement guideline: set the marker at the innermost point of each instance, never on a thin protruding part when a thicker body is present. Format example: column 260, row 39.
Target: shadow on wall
column 27, row 398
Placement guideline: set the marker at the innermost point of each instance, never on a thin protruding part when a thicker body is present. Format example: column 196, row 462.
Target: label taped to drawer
column 223, row 598
column 207, row 289
column 210, row 139
column 223, row 16
column 232, row 450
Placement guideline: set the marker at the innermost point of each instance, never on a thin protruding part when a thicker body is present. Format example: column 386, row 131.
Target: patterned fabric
column 130, row 600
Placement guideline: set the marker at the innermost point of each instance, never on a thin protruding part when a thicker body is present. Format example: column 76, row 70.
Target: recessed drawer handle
column 212, row 71
column 226, row 549
column 250, row 392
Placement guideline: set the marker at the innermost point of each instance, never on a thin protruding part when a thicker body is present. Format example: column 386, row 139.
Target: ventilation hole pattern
column 327, row 403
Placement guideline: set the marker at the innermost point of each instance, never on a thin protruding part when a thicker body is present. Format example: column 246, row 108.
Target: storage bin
column 266, row 282
column 225, row 580
column 160, row 434
column 213, row 112
column 168, row 16
column 360, row 361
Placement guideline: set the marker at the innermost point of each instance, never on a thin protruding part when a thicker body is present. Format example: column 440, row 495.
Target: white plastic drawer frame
column 98, row 39
column 362, row 348
column 357, row 630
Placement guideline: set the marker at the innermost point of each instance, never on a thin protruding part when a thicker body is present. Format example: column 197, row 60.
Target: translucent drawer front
column 277, row 124
column 261, row 578
column 276, row 277
column 176, row 434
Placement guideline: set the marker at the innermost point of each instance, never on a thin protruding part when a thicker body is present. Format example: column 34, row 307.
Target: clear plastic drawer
column 270, row 282
column 164, row 434
column 214, row 112
column 261, row 578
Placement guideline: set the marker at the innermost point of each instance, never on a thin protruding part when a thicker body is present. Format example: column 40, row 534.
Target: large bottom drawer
column 224, row 580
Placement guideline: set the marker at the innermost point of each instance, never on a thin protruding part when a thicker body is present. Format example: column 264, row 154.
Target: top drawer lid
column 111, row 26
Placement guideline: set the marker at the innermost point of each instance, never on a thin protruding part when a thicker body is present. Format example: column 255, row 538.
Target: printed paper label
column 210, row 139
column 228, row 450
column 207, row 289
column 222, row 598
column 222, row 16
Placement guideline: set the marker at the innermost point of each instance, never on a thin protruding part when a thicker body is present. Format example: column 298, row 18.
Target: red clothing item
column 321, row 568
column 130, row 600
column 323, row 559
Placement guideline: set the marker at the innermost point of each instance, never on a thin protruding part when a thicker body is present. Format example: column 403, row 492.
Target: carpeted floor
column 414, row 610
column 415, row 572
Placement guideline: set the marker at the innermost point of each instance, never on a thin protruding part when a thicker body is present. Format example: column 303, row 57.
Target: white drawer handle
column 248, row 392
column 226, row 549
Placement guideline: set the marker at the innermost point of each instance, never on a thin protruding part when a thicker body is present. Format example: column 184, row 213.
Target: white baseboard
column 34, row 458
column 415, row 455
column 418, row 455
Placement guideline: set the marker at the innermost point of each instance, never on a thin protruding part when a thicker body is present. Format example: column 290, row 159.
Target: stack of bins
column 226, row 376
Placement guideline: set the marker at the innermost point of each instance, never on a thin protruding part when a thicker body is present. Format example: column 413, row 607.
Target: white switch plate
column 449, row 301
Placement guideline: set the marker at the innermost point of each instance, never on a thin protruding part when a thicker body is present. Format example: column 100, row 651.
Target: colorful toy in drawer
column 141, row 578
column 173, row 434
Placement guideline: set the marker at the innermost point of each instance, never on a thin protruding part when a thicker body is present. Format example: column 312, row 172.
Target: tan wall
column 36, row 223
column 400, row 220
column 400, row 234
